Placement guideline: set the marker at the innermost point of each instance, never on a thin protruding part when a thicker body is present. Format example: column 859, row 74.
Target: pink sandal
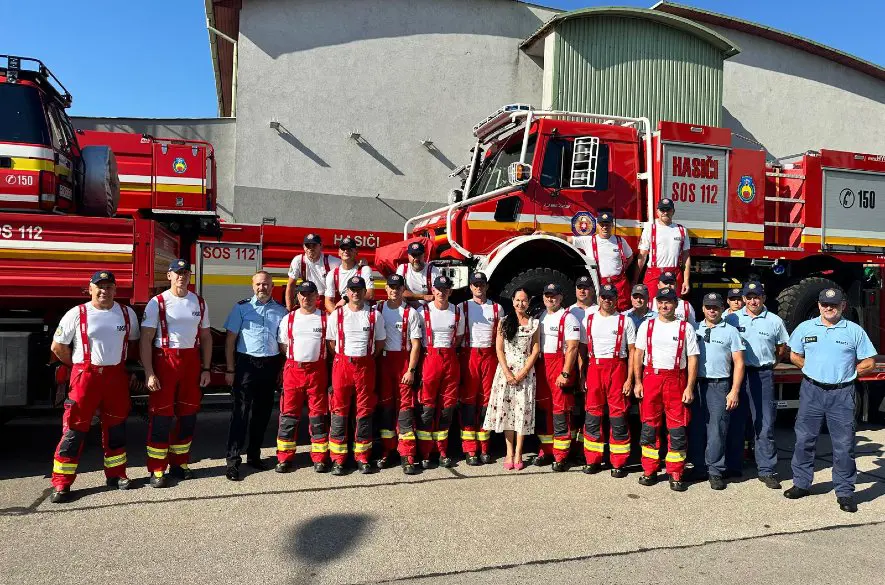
column 519, row 466
column 508, row 465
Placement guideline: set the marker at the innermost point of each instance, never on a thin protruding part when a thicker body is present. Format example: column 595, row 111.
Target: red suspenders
column 466, row 309
column 164, row 326
column 404, row 342
column 429, row 330
column 679, row 345
column 84, row 334
column 619, row 337
column 370, row 345
column 560, row 335
column 654, row 243
column 590, row 335
column 322, row 336
column 428, row 279
column 126, row 334
column 620, row 253
column 337, row 291
column 304, row 267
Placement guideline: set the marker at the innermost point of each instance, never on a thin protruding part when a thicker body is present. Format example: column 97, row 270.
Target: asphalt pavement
column 467, row 524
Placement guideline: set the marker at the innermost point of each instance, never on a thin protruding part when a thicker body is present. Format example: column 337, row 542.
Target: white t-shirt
column 316, row 271
column 105, row 329
column 604, row 333
column 609, row 259
column 664, row 340
column 580, row 313
column 684, row 311
column 344, row 276
column 442, row 325
column 182, row 318
column 393, row 323
column 416, row 281
column 550, row 330
column 307, row 335
column 481, row 322
column 356, row 330
column 670, row 244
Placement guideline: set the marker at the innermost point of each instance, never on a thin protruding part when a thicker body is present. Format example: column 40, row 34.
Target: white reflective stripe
column 523, row 217
column 18, row 197
column 135, row 179
column 812, row 231
column 854, row 234
column 716, row 225
column 161, row 180
column 27, row 151
column 78, row 246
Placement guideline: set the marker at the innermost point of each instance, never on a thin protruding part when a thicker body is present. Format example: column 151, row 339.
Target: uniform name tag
column 810, row 339
column 742, row 329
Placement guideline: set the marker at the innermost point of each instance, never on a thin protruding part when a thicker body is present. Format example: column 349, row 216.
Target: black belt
column 258, row 361
column 761, row 368
column 829, row 386
column 705, row 379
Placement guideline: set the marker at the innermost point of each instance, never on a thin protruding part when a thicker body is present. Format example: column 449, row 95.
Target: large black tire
column 798, row 302
column 101, row 182
column 534, row 280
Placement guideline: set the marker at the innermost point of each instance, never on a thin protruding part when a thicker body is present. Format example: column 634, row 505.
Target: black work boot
column 363, row 467
column 121, row 483
column 320, row 467
column 770, row 481
column 794, row 493
column 233, row 473
column 337, row 469
column 716, row 482
column 486, row 458
column 283, row 467
column 473, row 461
column 648, row 480
column 592, row 468
column 60, row 495
column 619, row 472
column 158, row 480
column 847, row 504
column 181, row 472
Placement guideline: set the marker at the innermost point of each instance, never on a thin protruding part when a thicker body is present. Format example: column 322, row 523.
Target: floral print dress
column 512, row 406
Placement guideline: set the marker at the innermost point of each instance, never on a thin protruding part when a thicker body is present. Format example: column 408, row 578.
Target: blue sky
column 151, row 59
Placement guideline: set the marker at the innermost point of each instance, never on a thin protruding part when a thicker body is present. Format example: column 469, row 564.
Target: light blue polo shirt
column 761, row 334
column 638, row 319
column 831, row 353
column 715, row 360
column 257, row 325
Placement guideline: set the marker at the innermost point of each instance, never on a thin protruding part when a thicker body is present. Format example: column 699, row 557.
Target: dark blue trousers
column 708, row 428
column 757, row 400
column 836, row 407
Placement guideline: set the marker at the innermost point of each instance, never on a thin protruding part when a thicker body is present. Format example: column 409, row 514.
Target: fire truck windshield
column 21, row 115
column 493, row 174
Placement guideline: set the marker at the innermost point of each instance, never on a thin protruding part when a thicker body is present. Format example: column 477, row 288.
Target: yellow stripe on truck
column 32, row 164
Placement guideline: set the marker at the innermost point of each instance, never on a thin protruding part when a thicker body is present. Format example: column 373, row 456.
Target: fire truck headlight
column 519, row 173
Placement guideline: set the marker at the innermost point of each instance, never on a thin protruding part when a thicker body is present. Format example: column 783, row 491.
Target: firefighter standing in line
column 353, row 334
column 397, row 374
column 93, row 338
column 720, row 373
column 684, row 310
column 479, row 361
column 612, row 256
column 665, row 370
column 556, row 373
column 302, row 338
column 337, row 279
column 252, row 355
column 311, row 265
column 735, row 300
column 438, row 398
column 171, row 359
column 765, row 338
column 418, row 276
column 640, row 311
column 585, row 298
column 667, row 245
column 607, row 338
column 585, row 304
column 832, row 353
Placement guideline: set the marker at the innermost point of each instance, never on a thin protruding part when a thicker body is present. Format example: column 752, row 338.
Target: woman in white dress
column 512, row 402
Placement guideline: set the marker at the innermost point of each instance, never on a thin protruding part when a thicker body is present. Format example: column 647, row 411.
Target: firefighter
column 832, row 352
column 664, row 246
column 585, row 298
column 252, row 355
column 639, row 311
column 337, row 279
column 607, row 339
column 684, row 310
column 171, row 359
column 720, row 373
column 418, row 275
column 443, row 331
column 302, row 338
column 765, row 338
column 479, row 361
column 735, row 300
column 353, row 333
column 312, row 265
column 556, row 373
column 397, row 374
column 585, row 303
column 665, row 367
column 611, row 254
column 93, row 338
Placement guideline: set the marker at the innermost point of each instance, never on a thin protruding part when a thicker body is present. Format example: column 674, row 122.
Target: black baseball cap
column 584, row 282
column 179, row 264
column 442, row 282
column 356, row 283
column 606, row 217
column 313, row 239
column 828, row 295
column 307, row 287
column 478, row 278
column 552, row 289
column 666, row 205
column 395, row 280
column 347, row 243
column 608, row 291
column 103, row 276
column 713, row 300
column 754, row 287
column 415, row 248
column 734, row 293
column 667, row 278
column 640, row 289
column 666, row 294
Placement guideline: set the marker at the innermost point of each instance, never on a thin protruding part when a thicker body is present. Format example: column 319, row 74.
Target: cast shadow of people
column 321, row 541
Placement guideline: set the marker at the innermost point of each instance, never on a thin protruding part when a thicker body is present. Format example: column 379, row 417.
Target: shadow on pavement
column 324, row 539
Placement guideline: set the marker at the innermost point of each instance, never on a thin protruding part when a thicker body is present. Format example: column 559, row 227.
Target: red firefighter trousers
column 662, row 396
column 605, row 385
column 352, row 377
column 92, row 387
column 553, row 407
column 478, row 367
column 304, row 381
column 397, row 404
column 437, row 400
column 178, row 398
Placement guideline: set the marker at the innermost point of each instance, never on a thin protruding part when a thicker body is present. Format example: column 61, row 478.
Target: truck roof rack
column 42, row 76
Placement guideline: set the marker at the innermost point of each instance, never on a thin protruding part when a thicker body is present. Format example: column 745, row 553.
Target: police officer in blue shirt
column 639, row 311
column 720, row 374
column 765, row 343
column 253, row 373
column 832, row 353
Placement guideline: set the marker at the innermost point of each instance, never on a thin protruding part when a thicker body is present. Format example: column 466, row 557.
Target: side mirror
column 455, row 195
column 519, row 173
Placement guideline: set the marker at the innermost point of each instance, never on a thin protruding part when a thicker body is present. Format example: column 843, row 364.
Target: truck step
column 785, row 248
column 784, row 224
column 785, row 176
column 785, row 200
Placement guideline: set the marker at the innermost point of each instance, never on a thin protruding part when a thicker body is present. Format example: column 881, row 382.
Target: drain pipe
column 233, row 82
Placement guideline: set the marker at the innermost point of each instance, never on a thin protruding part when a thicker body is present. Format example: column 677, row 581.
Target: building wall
column 395, row 71
column 791, row 101
column 220, row 132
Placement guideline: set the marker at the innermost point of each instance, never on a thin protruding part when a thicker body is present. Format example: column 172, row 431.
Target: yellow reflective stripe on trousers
column 616, row 448
column 180, row 449
column 440, row 435
column 361, row 447
column 545, row 438
column 424, row 436
column 676, row 456
column 561, row 443
column 64, row 468
column 319, row 447
column 407, row 437
column 594, row 446
column 650, row 452
column 468, row 435
column 157, row 453
column 115, row 460
column 386, row 434
column 483, row 435
column 338, row 448
column 285, row 445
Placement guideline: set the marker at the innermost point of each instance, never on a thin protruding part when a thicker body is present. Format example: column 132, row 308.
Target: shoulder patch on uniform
column 810, row 339
column 59, row 331
column 243, row 302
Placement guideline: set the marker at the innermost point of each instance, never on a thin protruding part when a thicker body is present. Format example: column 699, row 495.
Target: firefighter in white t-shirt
column 397, row 374
column 665, row 367
column 354, row 333
column 93, row 338
column 611, row 254
column 664, row 246
column 175, row 337
column 478, row 364
column 339, row 276
column 302, row 337
column 585, row 304
column 438, row 398
column 418, row 274
column 607, row 339
column 312, row 265
column 684, row 310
